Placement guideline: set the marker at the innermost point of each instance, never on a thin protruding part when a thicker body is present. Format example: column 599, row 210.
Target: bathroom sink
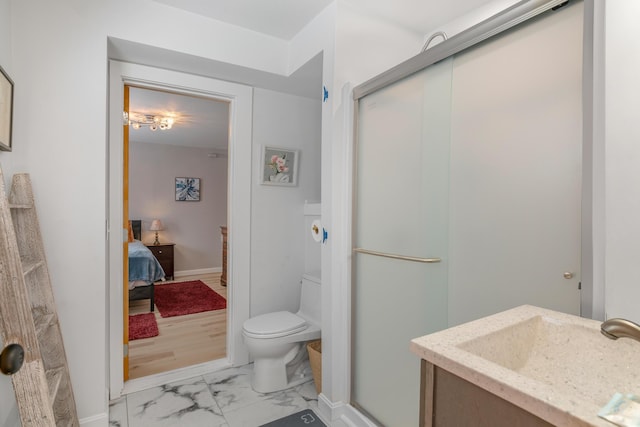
column 568, row 356
column 541, row 360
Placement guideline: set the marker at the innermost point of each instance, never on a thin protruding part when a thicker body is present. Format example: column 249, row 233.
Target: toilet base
column 271, row 375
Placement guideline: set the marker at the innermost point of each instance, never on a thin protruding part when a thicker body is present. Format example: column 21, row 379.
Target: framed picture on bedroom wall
column 279, row 166
column 6, row 110
column 187, row 189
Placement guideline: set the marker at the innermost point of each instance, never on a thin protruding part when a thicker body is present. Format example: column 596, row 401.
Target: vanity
column 527, row 366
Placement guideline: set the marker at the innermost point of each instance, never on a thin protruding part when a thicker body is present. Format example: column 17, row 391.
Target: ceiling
column 279, row 18
column 285, row 18
column 205, row 121
column 200, row 122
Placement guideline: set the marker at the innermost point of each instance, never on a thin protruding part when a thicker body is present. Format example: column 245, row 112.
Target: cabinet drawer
column 162, row 253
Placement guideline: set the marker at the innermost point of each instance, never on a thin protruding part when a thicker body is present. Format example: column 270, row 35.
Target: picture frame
column 6, row 111
column 279, row 166
column 187, row 189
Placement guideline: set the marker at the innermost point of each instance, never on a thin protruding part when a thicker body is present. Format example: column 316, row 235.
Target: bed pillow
column 130, row 233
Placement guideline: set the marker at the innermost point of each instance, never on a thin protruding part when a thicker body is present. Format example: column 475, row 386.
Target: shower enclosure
column 467, row 192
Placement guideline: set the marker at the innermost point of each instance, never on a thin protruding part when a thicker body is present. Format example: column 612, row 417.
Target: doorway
column 175, row 135
column 239, row 98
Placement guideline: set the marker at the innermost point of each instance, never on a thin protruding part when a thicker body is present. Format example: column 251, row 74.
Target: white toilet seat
column 274, row 325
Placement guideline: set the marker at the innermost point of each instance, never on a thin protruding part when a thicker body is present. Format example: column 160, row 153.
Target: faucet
column 617, row 328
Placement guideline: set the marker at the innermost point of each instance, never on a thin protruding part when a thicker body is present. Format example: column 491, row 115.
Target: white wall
column 5, row 40
column 622, row 157
column 367, row 46
column 59, row 65
column 193, row 226
column 277, row 221
column 8, row 409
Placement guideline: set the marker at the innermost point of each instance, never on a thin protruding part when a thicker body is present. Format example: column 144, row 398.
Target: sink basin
column 557, row 366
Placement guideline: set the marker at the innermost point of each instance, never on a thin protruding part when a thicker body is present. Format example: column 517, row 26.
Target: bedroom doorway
column 173, row 138
column 238, row 161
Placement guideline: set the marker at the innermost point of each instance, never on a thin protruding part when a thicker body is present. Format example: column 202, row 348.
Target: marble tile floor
column 219, row 399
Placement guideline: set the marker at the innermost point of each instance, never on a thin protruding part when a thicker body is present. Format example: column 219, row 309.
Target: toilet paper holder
column 318, row 232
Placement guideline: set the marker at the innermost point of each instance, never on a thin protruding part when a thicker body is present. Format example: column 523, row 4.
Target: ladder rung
column 20, row 206
column 30, row 265
column 42, row 321
column 54, row 378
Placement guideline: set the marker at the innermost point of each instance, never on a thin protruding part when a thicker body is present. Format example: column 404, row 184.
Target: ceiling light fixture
column 152, row 121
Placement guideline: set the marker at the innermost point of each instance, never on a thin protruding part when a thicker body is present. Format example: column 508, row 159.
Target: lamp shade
column 156, row 225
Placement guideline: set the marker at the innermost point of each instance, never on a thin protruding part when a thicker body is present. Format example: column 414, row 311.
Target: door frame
column 240, row 98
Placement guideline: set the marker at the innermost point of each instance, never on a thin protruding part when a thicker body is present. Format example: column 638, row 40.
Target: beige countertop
column 556, row 366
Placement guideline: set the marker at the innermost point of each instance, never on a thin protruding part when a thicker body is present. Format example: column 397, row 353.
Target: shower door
column 400, row 238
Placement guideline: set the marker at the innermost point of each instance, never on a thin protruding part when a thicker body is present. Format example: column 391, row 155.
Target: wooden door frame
column 125, row 245
column 240, row 98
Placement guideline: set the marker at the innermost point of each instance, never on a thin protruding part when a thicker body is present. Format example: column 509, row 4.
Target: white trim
column 99, row 420
column 196, row 272
column 340, row 357
column 352, row 417
column 341, row 414
column 144, row 383
column 239, row 190
column 593, row 180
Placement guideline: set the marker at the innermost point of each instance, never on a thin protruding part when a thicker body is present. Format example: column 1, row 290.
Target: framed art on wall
column 279, row 166
column 187, row 189
column 6, row 110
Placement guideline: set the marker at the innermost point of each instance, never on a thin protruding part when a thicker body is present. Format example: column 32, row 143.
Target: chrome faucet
column 618, row 328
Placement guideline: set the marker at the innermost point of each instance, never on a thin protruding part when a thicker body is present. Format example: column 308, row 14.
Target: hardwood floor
column 183, row 340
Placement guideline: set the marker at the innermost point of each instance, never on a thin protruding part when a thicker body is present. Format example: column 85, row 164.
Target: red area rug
column 142, row 326
column 178, row 299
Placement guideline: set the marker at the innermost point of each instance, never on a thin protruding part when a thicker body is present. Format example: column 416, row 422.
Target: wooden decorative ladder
column 34, row 352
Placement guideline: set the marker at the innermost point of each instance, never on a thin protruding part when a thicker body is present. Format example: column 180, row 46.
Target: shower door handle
column 395, row 256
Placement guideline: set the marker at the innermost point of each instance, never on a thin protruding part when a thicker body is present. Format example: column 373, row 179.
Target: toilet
column 277, row 341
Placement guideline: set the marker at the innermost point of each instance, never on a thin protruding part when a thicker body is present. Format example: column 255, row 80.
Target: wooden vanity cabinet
column 448, row 400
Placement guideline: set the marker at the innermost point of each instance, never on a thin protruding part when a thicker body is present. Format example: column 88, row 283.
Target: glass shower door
column 401, row 205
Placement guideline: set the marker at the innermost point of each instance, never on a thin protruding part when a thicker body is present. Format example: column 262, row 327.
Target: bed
column 144, row 268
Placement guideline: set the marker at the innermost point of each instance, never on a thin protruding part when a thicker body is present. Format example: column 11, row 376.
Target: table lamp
column 156, row 225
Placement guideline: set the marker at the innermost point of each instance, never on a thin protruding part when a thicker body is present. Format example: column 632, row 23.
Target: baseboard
column 99, row 420
column 342, row 414
column 183, row 273
column 352, row 417
column 329, row 410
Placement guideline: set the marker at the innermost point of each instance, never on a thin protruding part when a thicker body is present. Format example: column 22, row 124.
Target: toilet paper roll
column 316, row 230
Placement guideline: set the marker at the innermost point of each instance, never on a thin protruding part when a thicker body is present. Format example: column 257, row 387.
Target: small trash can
column 315, row 360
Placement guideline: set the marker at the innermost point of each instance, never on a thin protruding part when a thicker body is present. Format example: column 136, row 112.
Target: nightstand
column 164, row 254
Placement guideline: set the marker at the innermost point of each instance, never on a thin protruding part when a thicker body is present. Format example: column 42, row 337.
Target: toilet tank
column 310, row 302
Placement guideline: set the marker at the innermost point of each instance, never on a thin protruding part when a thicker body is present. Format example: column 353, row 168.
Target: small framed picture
column 187, row 189
column 279, row 166
column 6, row 110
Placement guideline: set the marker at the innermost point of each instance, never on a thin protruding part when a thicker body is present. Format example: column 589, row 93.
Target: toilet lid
column 276, row 324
